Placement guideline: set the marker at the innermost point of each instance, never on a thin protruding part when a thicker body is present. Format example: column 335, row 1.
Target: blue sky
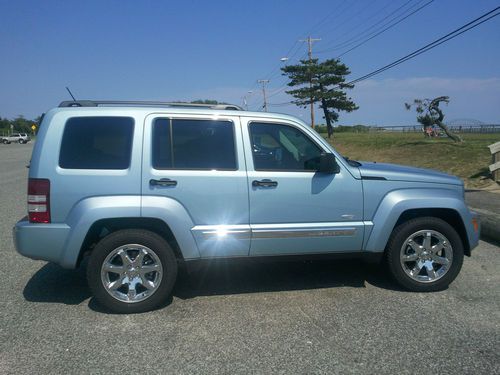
column 170, row 50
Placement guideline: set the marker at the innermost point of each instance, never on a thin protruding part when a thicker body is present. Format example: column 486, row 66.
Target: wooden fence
column 495, row 159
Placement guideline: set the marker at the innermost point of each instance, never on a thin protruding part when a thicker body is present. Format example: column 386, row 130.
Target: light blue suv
column 143, row 187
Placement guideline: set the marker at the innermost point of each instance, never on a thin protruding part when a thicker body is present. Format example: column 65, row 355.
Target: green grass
column 468, row 160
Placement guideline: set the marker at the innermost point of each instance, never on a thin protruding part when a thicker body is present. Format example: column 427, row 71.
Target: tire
column 21, row 141
column 5, row 142
column 418, row 267
column 140, row 256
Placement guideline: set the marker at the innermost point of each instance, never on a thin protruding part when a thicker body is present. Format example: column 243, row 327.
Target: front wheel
column 132, row 271
column 425, row 254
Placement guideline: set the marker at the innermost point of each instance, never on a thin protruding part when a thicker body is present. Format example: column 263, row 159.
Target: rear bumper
column 40, row 241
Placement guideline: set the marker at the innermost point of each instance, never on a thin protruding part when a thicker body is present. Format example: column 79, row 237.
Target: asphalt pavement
column 289, row 318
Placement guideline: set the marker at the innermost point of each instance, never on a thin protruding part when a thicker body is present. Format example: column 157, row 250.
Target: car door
column 195, row 161
column 294, row 208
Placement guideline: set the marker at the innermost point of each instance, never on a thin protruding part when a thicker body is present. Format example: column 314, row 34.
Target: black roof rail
column 96, row 103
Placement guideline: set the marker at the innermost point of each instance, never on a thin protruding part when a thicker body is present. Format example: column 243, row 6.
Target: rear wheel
column 425, row 254
column 5, row 142
column 132, row 271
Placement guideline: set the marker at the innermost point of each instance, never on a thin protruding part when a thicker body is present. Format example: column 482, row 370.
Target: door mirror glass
column 328, row 164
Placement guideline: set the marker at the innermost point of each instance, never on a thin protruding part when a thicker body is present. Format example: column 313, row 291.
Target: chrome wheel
column 131, row 273
column 426, row 256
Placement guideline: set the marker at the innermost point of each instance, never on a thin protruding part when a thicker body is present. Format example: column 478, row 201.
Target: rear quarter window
column 97, row 143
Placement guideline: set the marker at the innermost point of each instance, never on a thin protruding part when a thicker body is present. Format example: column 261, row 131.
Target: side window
column 97, row 143
column 193, row 144
column 277, row 147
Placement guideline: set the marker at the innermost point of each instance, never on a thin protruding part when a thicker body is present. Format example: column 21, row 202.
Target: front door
column 293, row 208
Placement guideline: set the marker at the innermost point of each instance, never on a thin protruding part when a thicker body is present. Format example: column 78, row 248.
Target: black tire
column 21, row 141
column 403, row 232
column 124, row 237
column 5, row 142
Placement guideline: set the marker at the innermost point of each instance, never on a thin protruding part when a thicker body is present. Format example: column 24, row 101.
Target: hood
column 394, row 172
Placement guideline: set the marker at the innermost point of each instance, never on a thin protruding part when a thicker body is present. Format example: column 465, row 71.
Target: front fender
column 398, row 201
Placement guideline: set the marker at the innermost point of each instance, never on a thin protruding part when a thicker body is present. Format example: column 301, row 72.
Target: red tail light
column 39, row 200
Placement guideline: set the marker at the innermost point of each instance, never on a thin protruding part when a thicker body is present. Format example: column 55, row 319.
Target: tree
column 322, row 83
column 429, row 114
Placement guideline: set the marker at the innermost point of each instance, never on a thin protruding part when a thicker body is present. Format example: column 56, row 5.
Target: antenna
column 67, row 88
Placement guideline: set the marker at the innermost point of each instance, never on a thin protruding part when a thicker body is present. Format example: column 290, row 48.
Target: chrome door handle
column 264, row 183
column 163, row 182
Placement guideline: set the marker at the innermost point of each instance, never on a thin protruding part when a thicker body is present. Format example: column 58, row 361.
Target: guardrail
column 495, row 157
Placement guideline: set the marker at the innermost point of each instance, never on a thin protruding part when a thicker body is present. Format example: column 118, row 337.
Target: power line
column 363, row 33
column 453, row 34
column 468, row 26
column 385, row 29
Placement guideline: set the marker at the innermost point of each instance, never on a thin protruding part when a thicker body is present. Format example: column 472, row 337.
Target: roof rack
column 96, row 103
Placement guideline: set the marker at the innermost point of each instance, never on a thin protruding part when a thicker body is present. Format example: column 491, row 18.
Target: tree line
column 17, row 125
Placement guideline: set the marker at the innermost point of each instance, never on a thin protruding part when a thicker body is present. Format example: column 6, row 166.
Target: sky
column 173, row 50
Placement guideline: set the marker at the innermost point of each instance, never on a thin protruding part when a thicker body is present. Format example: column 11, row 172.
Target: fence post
column 495, row 167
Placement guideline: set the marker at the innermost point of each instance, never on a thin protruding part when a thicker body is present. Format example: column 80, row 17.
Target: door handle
column 264, row 183
column 163, row 182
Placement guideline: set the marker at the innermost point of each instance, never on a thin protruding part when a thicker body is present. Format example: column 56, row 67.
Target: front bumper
column 473, row 230
column 40, row 241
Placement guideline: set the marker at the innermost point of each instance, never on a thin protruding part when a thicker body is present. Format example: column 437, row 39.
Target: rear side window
column 193, row 144
column 97, row 143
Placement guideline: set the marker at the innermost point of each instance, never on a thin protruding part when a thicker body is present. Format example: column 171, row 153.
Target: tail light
column 39, row 200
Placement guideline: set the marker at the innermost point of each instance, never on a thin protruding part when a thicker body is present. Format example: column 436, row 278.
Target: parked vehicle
column 16, row 137
column 141, row 188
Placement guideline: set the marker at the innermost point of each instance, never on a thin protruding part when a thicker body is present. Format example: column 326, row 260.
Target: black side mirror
column 328, row 164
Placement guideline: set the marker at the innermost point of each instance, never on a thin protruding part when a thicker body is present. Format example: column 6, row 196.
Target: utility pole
column 264, row 81
column 310, row 42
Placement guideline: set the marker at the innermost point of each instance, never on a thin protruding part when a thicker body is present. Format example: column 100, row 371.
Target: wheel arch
column 401, row 205
column 103, row 227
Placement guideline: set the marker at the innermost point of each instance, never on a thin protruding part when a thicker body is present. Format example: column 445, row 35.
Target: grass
column 468, row 160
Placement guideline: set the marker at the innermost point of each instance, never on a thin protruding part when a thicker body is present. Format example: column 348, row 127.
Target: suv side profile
column 141, row 188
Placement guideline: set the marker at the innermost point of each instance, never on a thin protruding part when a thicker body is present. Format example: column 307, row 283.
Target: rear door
column 195, row 161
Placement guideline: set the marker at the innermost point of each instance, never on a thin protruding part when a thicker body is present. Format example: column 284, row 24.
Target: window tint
column 97, row 143
column 283, row 148
column 193, row 144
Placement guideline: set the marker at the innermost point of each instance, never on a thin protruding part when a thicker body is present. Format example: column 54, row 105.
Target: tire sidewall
column 124, row 237
column 407, row 229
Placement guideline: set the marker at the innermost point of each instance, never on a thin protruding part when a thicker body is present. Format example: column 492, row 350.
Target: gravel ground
column 303, row 317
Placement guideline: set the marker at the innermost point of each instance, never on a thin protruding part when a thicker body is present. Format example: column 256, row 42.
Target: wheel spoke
column 410, row 258
column 147, row 283
column 427, row 241
column 132, row 293
column 430, row 271
column 416, row 270
column 114, row 269
column 140, row 258
column 149, row 268
column 414, row 246
column 440, row 260
column 115, row 284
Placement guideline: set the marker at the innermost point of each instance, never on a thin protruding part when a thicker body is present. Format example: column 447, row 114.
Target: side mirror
column 328, row 164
